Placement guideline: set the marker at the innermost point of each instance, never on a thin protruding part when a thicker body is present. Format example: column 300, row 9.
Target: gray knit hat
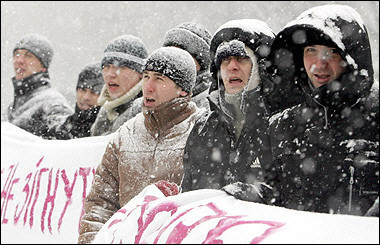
column 175, row 63
column 127, row 51
column 91, row 77
column 39, row 45
column 192, row 37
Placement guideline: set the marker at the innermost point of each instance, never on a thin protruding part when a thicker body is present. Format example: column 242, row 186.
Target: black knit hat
column 39, row 45
column 232, row 37
column 175, row 63
column 91, row 77
column 192, row 37
column 127, row 51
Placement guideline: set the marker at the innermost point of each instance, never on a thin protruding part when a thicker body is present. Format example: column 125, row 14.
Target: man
column 149, row 147
column 195, row 39
column 37, row 107
column 78, row 125
column 326, row 149
column 122, row 64
column 229, row 144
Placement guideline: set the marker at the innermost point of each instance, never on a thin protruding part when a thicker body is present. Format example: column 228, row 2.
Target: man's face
column 235, row 72
column 119, row 80
column 323, row 64
column 158, row 89
column 86, row 98
column 25, row 63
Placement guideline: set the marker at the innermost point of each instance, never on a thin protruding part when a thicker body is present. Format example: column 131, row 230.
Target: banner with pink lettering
column 44, row 184
column 212, row 216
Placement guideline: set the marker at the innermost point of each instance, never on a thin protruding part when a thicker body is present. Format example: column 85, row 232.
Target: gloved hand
column 258, row 192
column 168, row 188
column 374, row 210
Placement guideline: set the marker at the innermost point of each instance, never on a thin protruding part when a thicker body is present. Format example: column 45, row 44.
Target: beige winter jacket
column 146, row 149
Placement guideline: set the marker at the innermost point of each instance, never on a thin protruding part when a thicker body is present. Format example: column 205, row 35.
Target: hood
column 254, row 35
column 338, row 26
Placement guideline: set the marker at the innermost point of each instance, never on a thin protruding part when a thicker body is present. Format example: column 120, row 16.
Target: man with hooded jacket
column 326, row 148
column 149, row 147
column 229, row 144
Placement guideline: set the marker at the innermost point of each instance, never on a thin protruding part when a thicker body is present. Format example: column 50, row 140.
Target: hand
column 168, row 188
column 374, row 210
column 257, row 192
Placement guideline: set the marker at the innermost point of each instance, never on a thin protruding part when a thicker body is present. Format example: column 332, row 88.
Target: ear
column 43, row 69
column 183, row 93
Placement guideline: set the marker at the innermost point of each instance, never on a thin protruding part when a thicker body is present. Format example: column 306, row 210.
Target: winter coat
column 114, row 113
column 78, row 125
column 326, row 149
column 37, row 107
column 214, row 155
column 146, row 149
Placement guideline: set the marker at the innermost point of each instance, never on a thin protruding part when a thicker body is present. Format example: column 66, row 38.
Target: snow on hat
column 229, row 48
column 127, row 51
column 175, row 63
column 233, row 37
column 91, row 77
column 39, row 45
column 192, row 37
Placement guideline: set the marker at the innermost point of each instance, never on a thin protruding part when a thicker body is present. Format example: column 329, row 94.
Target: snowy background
column 79, row 31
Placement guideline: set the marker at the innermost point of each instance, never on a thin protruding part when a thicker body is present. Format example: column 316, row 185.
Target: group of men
column 287, row 119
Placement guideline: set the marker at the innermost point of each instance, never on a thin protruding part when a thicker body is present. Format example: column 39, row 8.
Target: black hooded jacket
column 326, row 148
column 214, row 157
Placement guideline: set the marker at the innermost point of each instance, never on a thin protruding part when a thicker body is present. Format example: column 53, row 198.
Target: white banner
column 44, row 184
column 212, row 216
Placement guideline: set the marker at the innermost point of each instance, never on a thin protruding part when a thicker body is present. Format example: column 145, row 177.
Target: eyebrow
column 155, row 74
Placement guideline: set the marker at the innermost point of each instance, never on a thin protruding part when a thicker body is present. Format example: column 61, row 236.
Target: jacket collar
column 30, row 83
column 159, row 120
column 111, row 106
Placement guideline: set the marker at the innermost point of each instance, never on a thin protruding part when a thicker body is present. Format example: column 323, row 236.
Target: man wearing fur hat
column 37, row 107
column 195, row 39
column 78, row 125
column 122, row 64
column 229, row 144
column 148, row 148
column 326, row 147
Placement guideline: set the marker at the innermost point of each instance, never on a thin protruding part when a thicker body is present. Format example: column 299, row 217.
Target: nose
column 113, row 71
column 233, row 65
column 87, row 95
column 148, row 85
column 322, row 60
column 18, row 58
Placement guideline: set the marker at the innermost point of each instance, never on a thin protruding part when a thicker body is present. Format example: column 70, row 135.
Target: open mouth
column 322, row 76
column 235, row 80
column 113, row 86
column 149, row 102
column 20, row 70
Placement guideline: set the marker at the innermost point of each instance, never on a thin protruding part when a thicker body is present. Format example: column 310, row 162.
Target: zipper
column 325, row 110
column 352, row 170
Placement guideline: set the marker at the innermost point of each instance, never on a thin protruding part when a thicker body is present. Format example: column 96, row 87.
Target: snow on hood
column 323, row 18
column 249, row 25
